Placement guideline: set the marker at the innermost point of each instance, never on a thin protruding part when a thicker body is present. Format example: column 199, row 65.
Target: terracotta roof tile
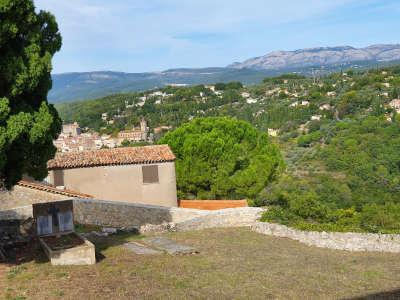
column 115, row 156
column 51, row 189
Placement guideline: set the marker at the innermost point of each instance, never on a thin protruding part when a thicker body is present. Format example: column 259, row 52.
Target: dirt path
column 3, row 272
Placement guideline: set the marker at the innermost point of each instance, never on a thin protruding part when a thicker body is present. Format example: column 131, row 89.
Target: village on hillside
column 277, row 177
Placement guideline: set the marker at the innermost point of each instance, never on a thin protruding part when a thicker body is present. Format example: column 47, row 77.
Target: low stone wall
column 160, row 218
column 334, row 240
column 230, row 217
column 17, row 213
column 122, row 214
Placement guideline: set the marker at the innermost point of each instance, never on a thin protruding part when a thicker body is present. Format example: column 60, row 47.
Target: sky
column 155, row 35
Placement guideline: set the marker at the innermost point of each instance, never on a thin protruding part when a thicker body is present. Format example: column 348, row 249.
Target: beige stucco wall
column 121, row 183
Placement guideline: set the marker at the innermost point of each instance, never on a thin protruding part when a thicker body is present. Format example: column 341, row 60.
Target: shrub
column 381, row 218
column 308, row 206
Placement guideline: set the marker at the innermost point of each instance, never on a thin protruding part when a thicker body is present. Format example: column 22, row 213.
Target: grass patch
column 233, row 263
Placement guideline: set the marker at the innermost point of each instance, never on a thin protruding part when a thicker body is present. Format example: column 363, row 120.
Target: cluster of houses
column 73, row 139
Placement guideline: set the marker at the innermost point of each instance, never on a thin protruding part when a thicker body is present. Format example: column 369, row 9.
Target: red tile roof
column 51, row 189
column 115, row 156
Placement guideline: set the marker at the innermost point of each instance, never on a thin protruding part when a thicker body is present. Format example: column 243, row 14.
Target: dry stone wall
column 122, row 214
column 159, row 218
column 17, row 213
column 22, row 196
column 334, row 240
column 230, row 217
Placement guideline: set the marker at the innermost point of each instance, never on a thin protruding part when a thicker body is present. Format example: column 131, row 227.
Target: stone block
column 83, row 254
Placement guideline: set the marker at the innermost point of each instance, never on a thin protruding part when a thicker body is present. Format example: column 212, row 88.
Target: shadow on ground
column 387, row 295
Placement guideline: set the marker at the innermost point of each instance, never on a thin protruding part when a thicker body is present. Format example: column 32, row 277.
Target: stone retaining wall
column 122, row 214
column 159, row 218
column 149, row 217
column 230, row 217
column 334, row 240
column 17, row 213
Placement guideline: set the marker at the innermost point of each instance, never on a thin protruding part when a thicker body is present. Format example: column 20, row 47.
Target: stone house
column 27, row 192
column 137, row 134
column 133, row 174
column 71, row 129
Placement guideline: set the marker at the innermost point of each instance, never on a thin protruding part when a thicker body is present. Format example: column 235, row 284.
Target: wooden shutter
column 150, row 174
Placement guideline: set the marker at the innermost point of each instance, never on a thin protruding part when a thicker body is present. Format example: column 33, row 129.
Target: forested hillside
column 340, row 136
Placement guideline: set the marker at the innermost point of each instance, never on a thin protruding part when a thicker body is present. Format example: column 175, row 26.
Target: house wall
column 121, row 183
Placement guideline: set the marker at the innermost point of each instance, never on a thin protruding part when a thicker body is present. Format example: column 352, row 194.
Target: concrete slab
column 83, row 254
column 169, row 246
column 140, row 249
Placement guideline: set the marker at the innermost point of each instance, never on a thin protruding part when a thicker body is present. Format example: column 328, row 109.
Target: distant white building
column 273, row 132
column 325, row 106
column 251, row 100
column 316, row 118
column 245, row 95
column 395, row 104
column 305, row 103
column 210, row 87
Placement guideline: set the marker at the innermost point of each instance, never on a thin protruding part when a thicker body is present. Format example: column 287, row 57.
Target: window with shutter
column 150, row 174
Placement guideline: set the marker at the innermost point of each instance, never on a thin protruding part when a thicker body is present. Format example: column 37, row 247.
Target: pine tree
column 28, row 124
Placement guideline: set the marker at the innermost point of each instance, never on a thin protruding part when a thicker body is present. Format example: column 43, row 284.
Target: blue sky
column 154, row 35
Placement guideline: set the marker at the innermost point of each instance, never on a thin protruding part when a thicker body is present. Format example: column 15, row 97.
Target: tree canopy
column 222, row 158
column 28, row 124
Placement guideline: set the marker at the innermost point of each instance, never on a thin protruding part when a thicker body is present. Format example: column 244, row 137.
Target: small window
column 150, row 174
column 65, row 221
column 44, row 225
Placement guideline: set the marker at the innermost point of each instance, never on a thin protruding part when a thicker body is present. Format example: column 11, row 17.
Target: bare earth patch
column 232, row 263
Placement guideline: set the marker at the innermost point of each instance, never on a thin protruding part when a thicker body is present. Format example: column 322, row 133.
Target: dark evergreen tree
column 28, row 124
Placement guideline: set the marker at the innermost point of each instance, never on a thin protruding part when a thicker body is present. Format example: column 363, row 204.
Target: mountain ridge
column 327, row 56
column 85, row 85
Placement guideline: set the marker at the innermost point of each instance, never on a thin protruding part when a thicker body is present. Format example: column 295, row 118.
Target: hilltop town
column 275, row 177
column 72, row 138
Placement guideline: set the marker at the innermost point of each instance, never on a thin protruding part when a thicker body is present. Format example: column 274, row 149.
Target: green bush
column 308, row 206
column 307, row 139
column 381, row 218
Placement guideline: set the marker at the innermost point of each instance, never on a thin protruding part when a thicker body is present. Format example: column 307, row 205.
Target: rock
column 140, row 249
column 169, row 246
column 164, row 227
column 109, row 230
column 130, row 229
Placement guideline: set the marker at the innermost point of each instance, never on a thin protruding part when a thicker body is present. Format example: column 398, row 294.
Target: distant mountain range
column 86, row 85
column 89, row 85
column 322, row 56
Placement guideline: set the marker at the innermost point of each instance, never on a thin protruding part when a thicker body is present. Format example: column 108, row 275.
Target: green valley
column 339, row 135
